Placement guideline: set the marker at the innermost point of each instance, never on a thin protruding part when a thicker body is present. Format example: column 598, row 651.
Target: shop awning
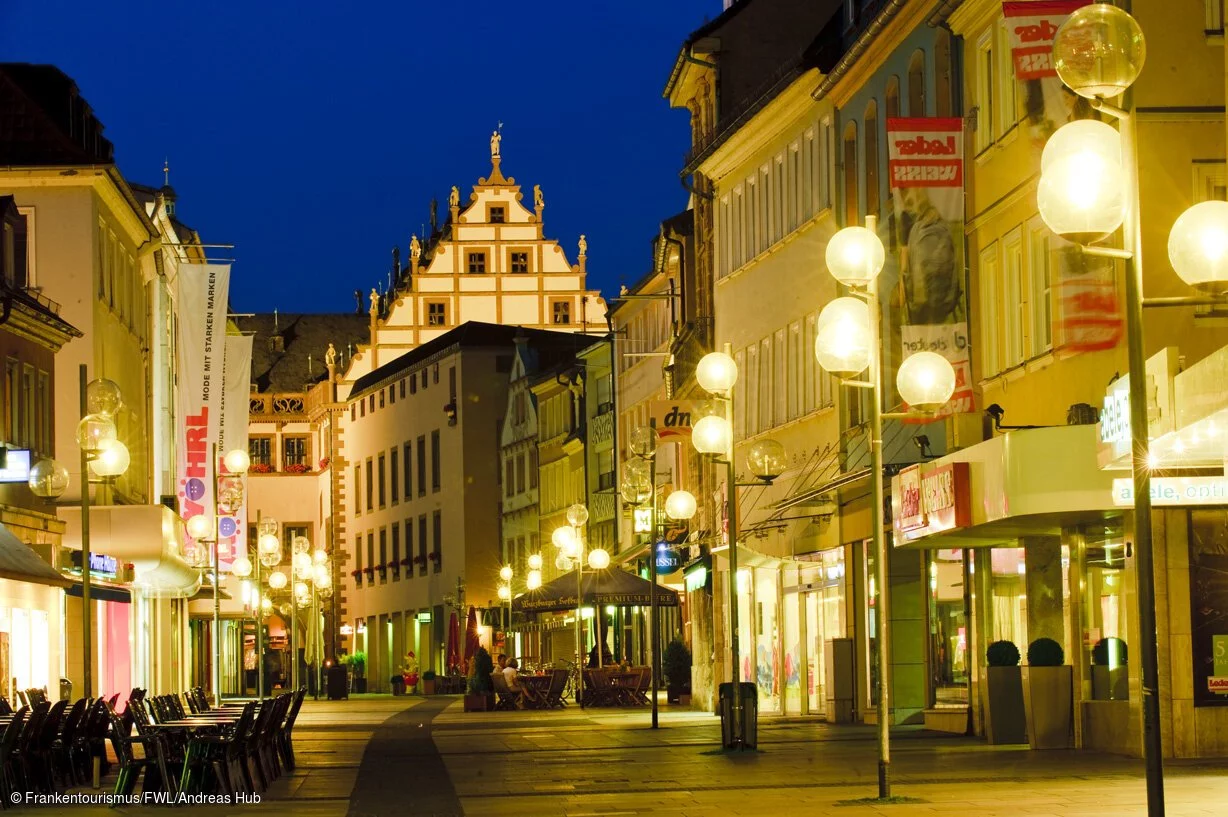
column 102, row 593
column 611, row 586
column 19, row 562
column 147, row 536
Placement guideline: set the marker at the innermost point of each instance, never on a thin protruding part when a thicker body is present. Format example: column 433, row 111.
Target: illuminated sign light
column 425, row 617
column 1175, row 491
column 643, row 520
column 667, row 560
column 100, row 564
column 16, row 466
column 347, row 629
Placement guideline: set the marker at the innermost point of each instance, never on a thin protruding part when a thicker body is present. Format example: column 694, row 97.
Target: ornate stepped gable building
column 489, row 262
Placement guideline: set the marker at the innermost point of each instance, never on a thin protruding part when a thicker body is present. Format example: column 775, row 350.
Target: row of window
column 15, row 245
column 560, row 485
column 120, row 286
column 414, row 381
column 295, row 451
column 647, row 331
column 783, row 379
column 28, row 419
column 774, row 200
column 401, row 476
column 425, row 558
column 514, row 472
column 477, row 262
column 1016, row 298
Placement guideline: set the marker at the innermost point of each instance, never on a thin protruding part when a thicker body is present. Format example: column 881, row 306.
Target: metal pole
column 259, row 615
column 880, row 540
column 315, row 641
column 654, row 628
column 293, row 633
column 579, row 614
column 87, row 641
column 731, row 514
column 1133, row 238
column 217, row 601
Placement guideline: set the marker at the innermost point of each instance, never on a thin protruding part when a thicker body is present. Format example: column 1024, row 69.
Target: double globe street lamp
column 717, row 374
column 1088, row 190
column 533, row 580
column 107, row 458
column 569, row 540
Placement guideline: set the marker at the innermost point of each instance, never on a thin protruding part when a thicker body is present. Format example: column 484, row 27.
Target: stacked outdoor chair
column 285, row 737
column 152, row 761
column 10, row 780
column 558, row 685
column 223, row 754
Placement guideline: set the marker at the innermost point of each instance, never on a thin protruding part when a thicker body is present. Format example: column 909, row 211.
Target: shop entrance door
column 824, row 620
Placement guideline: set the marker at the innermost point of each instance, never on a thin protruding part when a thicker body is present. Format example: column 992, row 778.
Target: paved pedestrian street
column 377, row 755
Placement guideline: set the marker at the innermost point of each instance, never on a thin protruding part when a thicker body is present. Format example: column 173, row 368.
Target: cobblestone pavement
column 376, row 755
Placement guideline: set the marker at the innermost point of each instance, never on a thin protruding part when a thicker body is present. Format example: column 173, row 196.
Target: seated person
column 501, row 661
column 511, row 674
column 607, row 657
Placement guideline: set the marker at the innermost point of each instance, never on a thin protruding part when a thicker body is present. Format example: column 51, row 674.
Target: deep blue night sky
column 312, row 135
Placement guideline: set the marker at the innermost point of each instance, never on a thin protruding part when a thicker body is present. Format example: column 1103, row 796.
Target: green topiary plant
column 1045, row 652
column 676, row 663
column 483, row 666
column 1109, row 652
column 358, row 661
column 1002, row 654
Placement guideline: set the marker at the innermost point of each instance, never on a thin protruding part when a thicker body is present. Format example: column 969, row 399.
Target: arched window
column 944, row 86
column 916, row 84
column 851, row 215
column 893, row 97
column 871, row 126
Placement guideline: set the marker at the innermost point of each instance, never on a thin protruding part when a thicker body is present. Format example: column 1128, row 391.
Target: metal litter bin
column 65, row 689
column 750, row 715
column 338, row 682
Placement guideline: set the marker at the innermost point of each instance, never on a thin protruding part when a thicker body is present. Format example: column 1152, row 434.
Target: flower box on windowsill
column 260, row 468
column 449, row 411
column 370, row 571
column 297, row 468
column 434, row 557
column 357, row 575
column 324, row 463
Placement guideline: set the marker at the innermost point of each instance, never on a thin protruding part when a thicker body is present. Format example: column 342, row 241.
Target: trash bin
column 750, row 715
column 65, row 689
column 398, row 684
column 338, row 682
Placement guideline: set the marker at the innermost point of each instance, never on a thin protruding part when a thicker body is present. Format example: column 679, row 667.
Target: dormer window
column 477, row 262
column 498, row 214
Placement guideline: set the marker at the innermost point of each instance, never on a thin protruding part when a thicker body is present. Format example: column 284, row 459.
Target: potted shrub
column 358, row 666
column 676, row 664
column 1003, row 695
column 1047, row 698
column 409, row 672
column 428, row 682
column 1110, row 680
column 481, row 694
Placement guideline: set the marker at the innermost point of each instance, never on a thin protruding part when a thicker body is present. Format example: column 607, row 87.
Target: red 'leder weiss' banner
column 925, row 152
column 1031, row 26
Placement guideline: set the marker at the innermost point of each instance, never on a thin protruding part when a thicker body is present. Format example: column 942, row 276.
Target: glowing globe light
column 48, row 479
column 201, row 526
column 102, row 396
column 1082, row 196
column 855, row 256
column 1099, row 51
column 535, row 561
column 241, row 567
column 681, row 505
column 598, row 559
column 926, row 381
column 505, row 573
column 505, row 593
column 1198, row 247
column 716, row 373
column 767, row 459
column 563, row 537
column 237, row 461
column 534, row 580
column 277, row 580
column 711, row 435
column 843, row 340
column 95, row 433
column 112, row 461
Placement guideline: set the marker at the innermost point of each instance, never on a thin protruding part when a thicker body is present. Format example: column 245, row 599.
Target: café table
column 625, row 686
column 539, row 685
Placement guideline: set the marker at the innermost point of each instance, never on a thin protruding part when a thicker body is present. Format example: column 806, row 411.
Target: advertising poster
column 203, row 291
column 1209, row 606
column 232, row 435
column 1088, row 308
column 929, row 305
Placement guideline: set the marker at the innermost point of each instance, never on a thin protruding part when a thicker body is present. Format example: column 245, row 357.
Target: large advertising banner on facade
column 232, row 435
column 925, row 164
column 203, row 291
column 1089, row 315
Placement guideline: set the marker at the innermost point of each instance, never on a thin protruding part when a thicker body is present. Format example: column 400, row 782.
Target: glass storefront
column 948, row 627
column 1105, row 613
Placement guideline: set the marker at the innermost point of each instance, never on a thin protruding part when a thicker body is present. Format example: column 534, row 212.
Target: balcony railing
column 602, row 428
column 276, row 404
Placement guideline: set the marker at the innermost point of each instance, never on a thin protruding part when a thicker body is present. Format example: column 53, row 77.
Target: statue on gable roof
column 539, row 201
column 330, row 357
column 495, row 139
column 374, row 296
column 454, row 197
column 583, row 243
column 415, row 247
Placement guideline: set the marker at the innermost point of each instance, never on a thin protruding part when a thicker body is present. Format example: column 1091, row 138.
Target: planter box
column 1110, row 684
column 360, row 685
column 1005, row 720
column 428, row 686
column 1047, row 700
column 482, row 702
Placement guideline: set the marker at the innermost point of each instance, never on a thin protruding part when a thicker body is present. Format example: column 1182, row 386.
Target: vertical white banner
column 232, row 527
column 203, row 291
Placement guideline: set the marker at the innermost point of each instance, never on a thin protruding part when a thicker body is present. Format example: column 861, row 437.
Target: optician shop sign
column 929, row 502
column 1175, row 491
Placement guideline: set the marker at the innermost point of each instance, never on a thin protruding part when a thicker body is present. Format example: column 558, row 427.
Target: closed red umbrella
column 472, row 640
column 453, row 643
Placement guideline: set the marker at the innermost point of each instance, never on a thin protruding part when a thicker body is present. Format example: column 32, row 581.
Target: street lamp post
column 268, row 555
column 1089, row 187
column 533, row 580
column 107, row 458
column 847, row 344
column 638, row 486
column 717, row 374
column 570, row 542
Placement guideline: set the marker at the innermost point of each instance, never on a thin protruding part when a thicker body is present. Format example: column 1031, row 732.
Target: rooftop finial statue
column 415, row 247
column 454, row 197
column 495, row 139
column 374, row 296
column 539, row 201
column 583, row 245
column 330, row 357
